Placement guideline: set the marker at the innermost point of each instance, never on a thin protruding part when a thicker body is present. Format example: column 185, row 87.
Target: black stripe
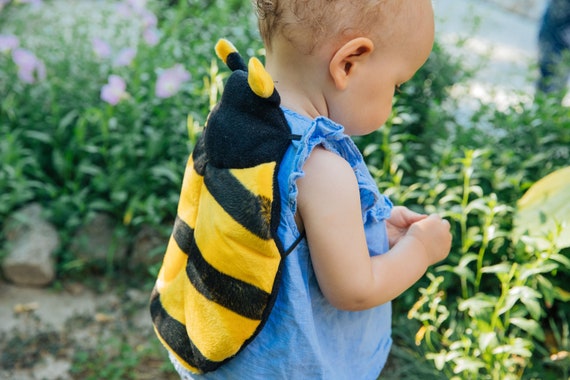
column 236, row 295
column 250, row 210
column 199, row 156
column 183, row 235
column 174, row 334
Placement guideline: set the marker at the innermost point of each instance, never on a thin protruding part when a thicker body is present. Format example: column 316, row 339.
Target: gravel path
column 504, row 42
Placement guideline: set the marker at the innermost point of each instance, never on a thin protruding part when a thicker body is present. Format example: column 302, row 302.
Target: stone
column 31, row 242
column 97, row 240
column 148, row 247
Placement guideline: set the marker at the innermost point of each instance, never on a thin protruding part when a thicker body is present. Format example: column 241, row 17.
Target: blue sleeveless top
column 306, row 337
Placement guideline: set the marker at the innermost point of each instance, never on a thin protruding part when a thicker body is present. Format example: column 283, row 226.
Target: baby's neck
column 299, row 80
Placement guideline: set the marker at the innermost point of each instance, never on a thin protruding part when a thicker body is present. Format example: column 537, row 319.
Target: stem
column 504, row 291
column 467, row 169
column 484, row 245
column 467, row 165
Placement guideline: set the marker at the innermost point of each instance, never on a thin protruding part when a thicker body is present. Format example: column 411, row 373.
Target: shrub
column 496, row 307
column 106, row 128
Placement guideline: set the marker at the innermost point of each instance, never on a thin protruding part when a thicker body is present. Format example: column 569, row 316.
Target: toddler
column 336, row 65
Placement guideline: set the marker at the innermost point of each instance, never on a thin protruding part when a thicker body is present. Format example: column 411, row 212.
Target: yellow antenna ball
column 224, row 48
column 259, row 79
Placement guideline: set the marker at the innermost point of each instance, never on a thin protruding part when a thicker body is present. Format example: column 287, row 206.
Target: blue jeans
column 554, row 47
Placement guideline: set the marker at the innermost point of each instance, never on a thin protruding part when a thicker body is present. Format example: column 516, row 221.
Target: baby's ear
column 348, row 58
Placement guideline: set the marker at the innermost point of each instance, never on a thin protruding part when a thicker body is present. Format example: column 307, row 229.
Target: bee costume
column 221, row 270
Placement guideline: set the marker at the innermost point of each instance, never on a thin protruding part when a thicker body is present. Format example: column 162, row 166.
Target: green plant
column 72, row 151
column 486, row 312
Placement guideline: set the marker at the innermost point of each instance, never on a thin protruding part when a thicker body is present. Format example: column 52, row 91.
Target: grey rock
column 31, row 242
column 97, row 239
column 148, row 247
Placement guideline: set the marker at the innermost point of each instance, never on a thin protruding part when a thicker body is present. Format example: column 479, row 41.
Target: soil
column 77, row 333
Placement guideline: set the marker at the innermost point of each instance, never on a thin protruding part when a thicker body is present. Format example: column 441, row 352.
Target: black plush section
column 245, row 130
column 199, row 156
column 175, row 336
column 235, row 62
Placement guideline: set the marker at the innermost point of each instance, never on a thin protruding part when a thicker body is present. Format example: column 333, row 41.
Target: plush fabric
column 221, row 269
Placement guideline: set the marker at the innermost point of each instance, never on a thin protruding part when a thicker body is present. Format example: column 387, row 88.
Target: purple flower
column 170, row 80
column 101, row 48
column 30, row 67
column 8, row 42
column 137, row 5
column 114, row 91
column 35, row 3
column 123, row 9
column 125, row 57
column 151, row 36
column 149, row 19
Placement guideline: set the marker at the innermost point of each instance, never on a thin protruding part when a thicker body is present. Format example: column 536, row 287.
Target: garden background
column 101, row 102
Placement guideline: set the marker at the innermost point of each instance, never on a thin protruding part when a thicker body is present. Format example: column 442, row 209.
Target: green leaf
column 488, row 340
column 562, row 294
column 68, row 119
column 470, row 365
column 498, row 268
column 527, row 296
column 478, row 305
column 530, row 326
column 545, row 209
column 39, row 136
column 439, row 359
column 561, row 259
column 533, row 306
column 513, row 350
column 545, row 268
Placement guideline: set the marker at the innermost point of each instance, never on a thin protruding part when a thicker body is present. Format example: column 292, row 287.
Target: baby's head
column 343, row 58
column 310, row 24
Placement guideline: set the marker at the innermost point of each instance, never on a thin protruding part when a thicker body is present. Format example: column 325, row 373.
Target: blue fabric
column 554, row 43
column 305, row 337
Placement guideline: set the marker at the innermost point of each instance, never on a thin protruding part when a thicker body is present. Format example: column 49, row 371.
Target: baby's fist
column 434, row 233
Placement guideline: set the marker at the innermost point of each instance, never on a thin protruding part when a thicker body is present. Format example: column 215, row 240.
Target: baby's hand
column 433, row 232
column 399, row 222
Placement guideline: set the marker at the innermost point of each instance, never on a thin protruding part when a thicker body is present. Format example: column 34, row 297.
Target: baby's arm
column 329, row 209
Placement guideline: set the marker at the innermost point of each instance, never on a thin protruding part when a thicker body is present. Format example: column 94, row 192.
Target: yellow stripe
column 232, row 249
column 190, row 194
column 173, row 263
column 206, row 321
column 173, row 296
column 258, row 180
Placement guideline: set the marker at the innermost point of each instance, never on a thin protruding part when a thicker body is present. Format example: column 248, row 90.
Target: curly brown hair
column 306, row 23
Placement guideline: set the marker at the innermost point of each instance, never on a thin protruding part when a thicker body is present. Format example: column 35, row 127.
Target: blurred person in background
column 554, row 48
